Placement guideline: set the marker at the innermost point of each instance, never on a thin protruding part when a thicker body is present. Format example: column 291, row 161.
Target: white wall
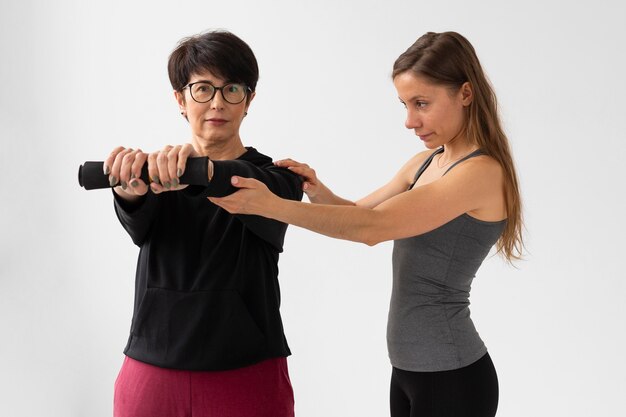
column 81, row 77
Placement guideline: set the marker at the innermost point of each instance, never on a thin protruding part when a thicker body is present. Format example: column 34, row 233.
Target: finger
column 162, row 164
column 157, row 188
column 138, row 163
column 136, row 184
column 172, row 165
column 114, row 177
column 108, row 163
column 280, row 162
column 288, row 162
column 153, row 169
column 185, row 152
column 126, row 168
column 302, row 171
column 241, row 182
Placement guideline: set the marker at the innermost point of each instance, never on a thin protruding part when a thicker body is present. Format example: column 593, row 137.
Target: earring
column 245, row 114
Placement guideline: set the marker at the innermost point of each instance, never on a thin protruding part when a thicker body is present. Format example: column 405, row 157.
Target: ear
column 249, row 99
column 180, row 99
column 467, row 94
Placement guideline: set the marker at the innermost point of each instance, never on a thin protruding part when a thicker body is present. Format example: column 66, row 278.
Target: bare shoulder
column 479, row 181
column 486, row 167
column 481, row 175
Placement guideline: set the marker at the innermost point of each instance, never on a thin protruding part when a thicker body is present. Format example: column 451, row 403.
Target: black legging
column 471, row 391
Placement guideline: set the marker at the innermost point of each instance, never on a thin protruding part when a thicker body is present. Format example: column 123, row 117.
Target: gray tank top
column 429, row 327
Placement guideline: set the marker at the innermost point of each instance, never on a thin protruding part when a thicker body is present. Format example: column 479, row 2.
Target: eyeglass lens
column 233, row 93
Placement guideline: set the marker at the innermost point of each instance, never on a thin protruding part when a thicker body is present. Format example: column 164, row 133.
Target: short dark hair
column 218, row 51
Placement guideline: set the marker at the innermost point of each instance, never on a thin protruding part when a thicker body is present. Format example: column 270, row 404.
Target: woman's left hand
column 166, row 166
column 253, row 197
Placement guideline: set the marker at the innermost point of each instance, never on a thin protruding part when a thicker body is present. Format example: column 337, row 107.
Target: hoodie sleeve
column 137, row 218
column 280, row 181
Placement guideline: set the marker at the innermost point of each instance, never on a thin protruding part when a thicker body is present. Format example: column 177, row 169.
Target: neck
column 456, row 149
column 231, row 149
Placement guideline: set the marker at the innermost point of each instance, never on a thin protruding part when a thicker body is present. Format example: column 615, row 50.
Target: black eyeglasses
column 204, row 91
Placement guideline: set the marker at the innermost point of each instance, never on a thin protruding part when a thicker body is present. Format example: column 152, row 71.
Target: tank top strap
column 424, row 166
column 477, row 152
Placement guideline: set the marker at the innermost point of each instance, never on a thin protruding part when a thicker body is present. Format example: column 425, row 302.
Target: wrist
column 130, row 197
column 276, row 208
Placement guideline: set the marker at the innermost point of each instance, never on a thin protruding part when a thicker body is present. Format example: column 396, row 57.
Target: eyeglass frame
column 215, row 89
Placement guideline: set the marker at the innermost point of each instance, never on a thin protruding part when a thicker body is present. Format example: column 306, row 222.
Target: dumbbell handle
column 91, row 174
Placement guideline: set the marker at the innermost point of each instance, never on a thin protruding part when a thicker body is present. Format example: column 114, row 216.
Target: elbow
column 371, row 240
column 371, row 234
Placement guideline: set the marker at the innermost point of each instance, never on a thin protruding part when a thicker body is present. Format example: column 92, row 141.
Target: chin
column 431, row 145
column 211, row 137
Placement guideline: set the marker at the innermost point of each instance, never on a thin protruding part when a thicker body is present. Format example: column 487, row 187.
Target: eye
column 420, row 104
column 234, row 88
column 202, row 88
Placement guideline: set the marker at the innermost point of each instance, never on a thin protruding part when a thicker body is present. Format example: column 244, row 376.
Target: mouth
column 425, row 136
column 216, row 121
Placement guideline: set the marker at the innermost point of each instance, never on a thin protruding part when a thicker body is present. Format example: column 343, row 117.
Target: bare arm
column 319, row 193
column 474, row 186
column 398, row 184
column 315, row 190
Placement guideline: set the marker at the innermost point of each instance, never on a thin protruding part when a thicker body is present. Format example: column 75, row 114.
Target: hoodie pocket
column 209, row 329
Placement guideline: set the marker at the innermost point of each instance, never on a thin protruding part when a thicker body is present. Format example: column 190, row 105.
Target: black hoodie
column 206, row 290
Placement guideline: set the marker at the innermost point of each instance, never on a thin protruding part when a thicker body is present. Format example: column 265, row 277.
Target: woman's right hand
column 123, row 166
column 311, row 185
column 316, row 191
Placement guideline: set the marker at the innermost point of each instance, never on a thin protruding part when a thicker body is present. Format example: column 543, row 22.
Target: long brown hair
column 449, row 59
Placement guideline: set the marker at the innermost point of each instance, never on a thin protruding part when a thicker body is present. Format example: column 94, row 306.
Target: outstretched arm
column 468, row 188
column 319, row 193
column 315, row 190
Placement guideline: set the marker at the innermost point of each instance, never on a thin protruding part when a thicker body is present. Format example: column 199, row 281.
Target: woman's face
column 434, row 112
column 216, row 121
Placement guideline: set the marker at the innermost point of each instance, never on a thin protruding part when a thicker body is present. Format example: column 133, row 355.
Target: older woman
column 444, row 209
column 206, row 337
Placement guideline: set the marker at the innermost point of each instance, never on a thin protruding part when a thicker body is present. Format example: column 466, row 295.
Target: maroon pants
column 259, row 390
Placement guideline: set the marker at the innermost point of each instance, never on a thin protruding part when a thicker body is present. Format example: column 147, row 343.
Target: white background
column 78, row 78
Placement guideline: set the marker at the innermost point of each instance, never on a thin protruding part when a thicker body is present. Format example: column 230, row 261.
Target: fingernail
column 234, row 180
column 175, row 183
column 179, row 172
column 124, row 185
column 167, row 185
column 305, row 186
column 107, row 171
column 112, row 181
column 132, row 175
column 155, row 179
column 134, row 183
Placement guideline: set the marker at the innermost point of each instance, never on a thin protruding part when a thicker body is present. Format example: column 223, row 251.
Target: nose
column 217, row 102
column 413, row 120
